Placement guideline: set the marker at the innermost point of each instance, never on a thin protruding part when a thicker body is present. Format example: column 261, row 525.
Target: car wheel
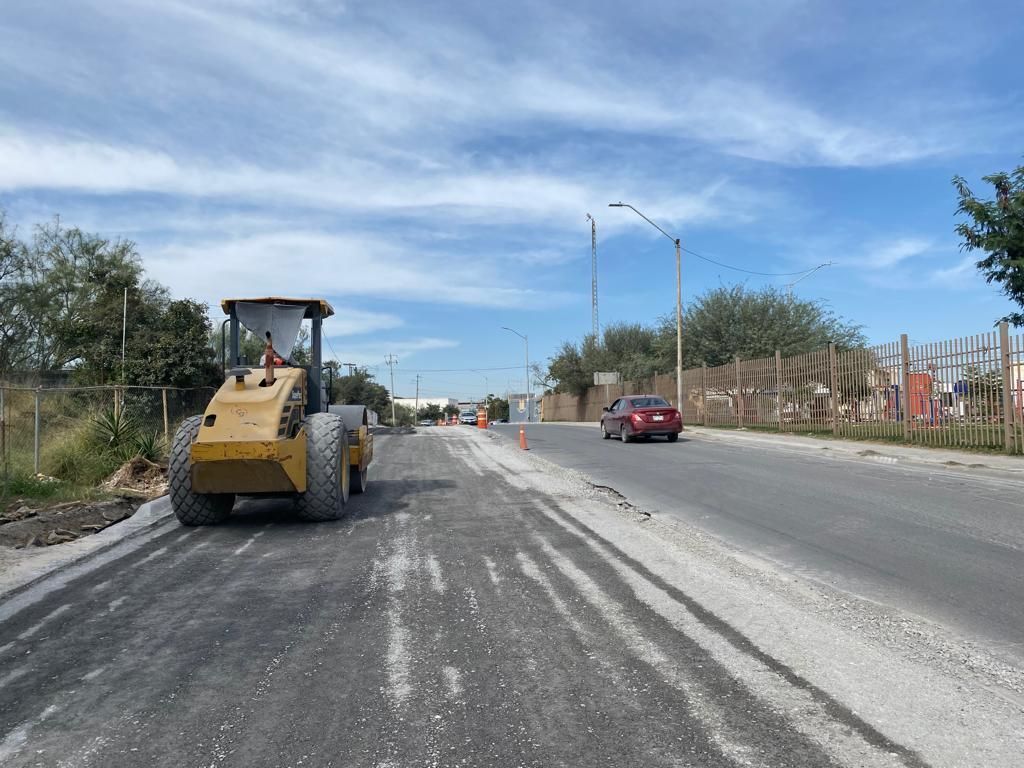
column 673, row 437
column 604, row 432
column 624, row 435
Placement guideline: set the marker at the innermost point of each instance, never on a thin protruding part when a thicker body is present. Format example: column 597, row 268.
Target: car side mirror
column 605, row 409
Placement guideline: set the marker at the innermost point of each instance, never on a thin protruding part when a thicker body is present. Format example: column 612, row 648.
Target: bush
column 78, row 457
column 23, row 485
column 91, row 451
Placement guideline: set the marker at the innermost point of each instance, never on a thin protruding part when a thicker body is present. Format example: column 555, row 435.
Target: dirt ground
column 27, row 523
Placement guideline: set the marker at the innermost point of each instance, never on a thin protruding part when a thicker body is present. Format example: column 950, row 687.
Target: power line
column 460, row 370
column 790, row 285
column 748, row 271
column 331, row 346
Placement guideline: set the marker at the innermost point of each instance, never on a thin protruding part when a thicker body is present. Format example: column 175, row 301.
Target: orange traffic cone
column 522, row 437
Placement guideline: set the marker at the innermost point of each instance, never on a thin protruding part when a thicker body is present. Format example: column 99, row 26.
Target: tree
column 62, row 306
column 405, row 416
column 628, row 348
column 451, row 410
column 567, row 369
column 983, row 390
column 430, row 411
column 497, row 408
column 718, row 326
column 17, row 323
column 361, row 389
column 542, row 377
column 729, row 322
column 996, row 227
column 175, row 351
column 79, row 290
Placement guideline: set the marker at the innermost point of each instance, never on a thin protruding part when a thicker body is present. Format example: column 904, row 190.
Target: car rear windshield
column 648, row 402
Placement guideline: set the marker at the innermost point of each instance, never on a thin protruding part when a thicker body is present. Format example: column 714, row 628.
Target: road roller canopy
column 279, row 319
column 313, row 307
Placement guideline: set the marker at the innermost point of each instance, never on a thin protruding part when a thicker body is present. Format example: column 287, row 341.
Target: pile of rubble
column 139, row 478
column 24, row 526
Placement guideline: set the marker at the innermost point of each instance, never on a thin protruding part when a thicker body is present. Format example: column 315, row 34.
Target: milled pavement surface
column 478, row 606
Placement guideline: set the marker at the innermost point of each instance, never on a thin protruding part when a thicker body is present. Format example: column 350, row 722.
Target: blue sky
column 428, row 166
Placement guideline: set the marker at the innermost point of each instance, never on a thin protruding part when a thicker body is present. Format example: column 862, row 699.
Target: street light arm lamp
column 627, row 205
column 526, row 341
column 513, row 330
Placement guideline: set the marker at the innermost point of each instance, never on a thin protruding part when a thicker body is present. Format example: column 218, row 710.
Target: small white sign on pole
column 607, row 377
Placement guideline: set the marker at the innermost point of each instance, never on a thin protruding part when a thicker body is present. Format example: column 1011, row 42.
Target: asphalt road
column 454, row 618
column 945, row 545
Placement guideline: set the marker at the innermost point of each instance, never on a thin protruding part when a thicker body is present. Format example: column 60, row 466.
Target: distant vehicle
column 467, row 417
column 426, row 423
column 644, row 416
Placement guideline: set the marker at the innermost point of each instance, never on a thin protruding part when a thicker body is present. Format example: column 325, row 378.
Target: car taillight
column 637, row 417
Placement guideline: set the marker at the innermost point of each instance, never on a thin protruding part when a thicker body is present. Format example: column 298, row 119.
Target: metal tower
column 593, row 276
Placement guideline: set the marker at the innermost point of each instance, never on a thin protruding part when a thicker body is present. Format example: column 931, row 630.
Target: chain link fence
column 966, row 392
column 39, row 427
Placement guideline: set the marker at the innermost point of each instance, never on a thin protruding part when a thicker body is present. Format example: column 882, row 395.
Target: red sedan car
column 641, row 416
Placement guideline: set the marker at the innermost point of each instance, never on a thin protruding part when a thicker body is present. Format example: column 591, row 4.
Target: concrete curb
column 34, row 567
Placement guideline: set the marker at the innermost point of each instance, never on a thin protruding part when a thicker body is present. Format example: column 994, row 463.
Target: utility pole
column 679, row 302
column 417, row 413
column 392, row 361
column 351, row 367
column 593, row 274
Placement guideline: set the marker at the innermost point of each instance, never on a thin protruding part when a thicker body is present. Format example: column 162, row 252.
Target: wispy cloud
column 963, row 274
column 354, row 322
column 349, row 265
column 372, row 353
column 406, row 86
column 889, row 253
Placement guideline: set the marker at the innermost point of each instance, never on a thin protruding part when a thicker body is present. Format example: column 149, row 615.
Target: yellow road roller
column 270, row 430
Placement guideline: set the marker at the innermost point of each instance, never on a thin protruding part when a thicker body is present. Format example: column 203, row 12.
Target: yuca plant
column 115, row 431
column 151, row 446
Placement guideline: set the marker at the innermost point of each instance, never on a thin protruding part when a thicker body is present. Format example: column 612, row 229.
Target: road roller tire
column 328, row 474
column 359, row 480
column 189, row 507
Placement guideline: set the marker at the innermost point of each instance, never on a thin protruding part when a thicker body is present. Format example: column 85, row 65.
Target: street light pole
column 679, row 302
column 526, row 340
